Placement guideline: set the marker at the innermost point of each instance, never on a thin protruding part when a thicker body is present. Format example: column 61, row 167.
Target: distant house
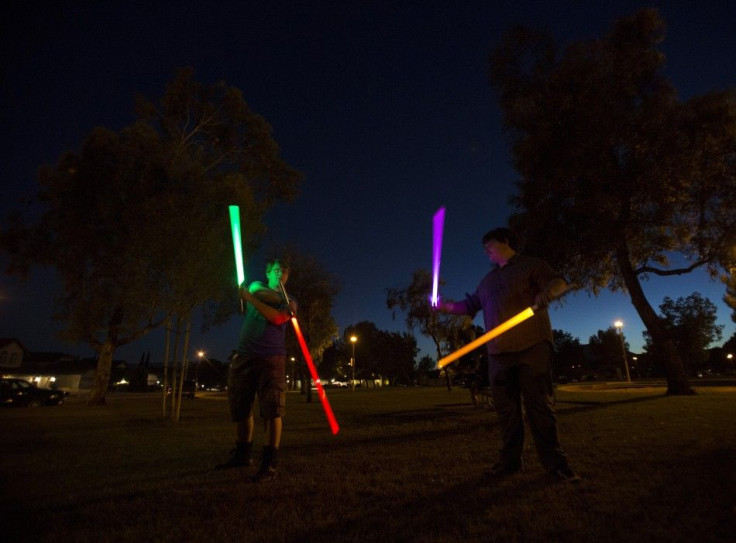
column 50, row 369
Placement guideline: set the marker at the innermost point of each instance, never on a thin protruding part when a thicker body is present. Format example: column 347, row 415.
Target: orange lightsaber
column 488, row 336
column 312, row 369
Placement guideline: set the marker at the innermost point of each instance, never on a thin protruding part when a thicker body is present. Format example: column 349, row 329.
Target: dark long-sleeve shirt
column 506, row 291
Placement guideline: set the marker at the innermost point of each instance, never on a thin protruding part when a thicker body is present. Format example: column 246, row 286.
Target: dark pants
column 526, row 375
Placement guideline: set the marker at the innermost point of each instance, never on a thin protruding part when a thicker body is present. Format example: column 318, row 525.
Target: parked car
column 21, row 393
column 188, row 389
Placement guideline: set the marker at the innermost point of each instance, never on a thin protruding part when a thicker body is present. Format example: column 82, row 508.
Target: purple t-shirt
column 259, row 337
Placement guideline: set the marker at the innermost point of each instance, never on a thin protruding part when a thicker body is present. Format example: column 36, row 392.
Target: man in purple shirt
column 520, row 360
column 258, row 368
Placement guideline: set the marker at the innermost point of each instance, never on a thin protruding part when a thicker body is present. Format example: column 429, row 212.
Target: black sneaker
column 565, row 475
column 500, row 470
column 237, row 460
column 265, row 474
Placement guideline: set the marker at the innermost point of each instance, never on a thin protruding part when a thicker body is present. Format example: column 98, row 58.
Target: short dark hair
column 282, row 262
column 504, row 235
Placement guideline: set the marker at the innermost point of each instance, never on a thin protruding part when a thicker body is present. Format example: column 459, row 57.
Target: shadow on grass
column 456, row 512
column 442, row 422
column 706, row 483
column 589, row 405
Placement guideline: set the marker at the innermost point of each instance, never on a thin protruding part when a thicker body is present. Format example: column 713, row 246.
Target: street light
column 293, row 373
column 353, row 339
column 620, row 326
column 201, row 356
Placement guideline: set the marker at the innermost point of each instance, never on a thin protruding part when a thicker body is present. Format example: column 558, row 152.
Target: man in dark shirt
column 258, row 368
column 520, row 360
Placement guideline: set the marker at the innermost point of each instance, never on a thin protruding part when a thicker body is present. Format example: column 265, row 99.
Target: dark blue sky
column 384, row 106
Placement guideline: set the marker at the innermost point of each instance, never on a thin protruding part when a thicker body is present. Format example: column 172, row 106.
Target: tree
column 314, row 290
column 607, row 353
column 728, row 351
column 369, row 349
column 447, row 332
column 379, row 354
column 135, row 222
column 568, row 358
column 335, row 361
column 397, row 364
column 692, row 323
column 426, row 364
column 730, row 297
column 617, row 175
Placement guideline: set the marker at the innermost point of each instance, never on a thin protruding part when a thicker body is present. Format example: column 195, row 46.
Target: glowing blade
column 237, row 243
column 488, row 336
column 438, row 224
column 313, row 371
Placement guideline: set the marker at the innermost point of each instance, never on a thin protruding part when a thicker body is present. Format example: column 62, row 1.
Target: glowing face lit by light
column 277, row 274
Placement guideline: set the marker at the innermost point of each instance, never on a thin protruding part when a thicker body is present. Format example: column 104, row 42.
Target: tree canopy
column 135, row 222
column 607, row 350
column 314, row 289
column 617, row 175
column 448, row 332
column 692, row 323
column 568, row 358
column 379, row 353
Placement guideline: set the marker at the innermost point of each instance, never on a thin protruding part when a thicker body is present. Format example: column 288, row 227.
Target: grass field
column 407, row 465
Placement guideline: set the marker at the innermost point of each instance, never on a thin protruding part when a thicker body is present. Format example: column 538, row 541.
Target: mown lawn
column 407, row 465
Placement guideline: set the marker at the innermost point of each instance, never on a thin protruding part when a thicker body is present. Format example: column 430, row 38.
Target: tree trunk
column 183, row 373
column 677, row 382
column 102, row 375
column 448, row 381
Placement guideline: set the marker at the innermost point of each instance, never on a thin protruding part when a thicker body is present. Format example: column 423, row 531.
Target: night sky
column 385, row 107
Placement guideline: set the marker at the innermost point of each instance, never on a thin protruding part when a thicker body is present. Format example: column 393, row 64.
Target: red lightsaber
column 312, row 370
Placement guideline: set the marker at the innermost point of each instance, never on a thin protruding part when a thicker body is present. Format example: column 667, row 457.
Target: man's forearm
column 272, row 315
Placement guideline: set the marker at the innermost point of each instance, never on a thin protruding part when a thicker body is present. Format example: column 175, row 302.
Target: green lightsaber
column 237, row 243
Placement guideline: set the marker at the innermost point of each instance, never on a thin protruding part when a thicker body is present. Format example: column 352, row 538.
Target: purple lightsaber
column 438, row 224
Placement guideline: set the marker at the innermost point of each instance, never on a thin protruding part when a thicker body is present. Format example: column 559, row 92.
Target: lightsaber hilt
column 286, row 298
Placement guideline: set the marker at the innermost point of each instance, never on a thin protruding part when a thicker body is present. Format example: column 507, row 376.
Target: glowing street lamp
column 201, row 356
column 620, row 325
column 353, row 339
